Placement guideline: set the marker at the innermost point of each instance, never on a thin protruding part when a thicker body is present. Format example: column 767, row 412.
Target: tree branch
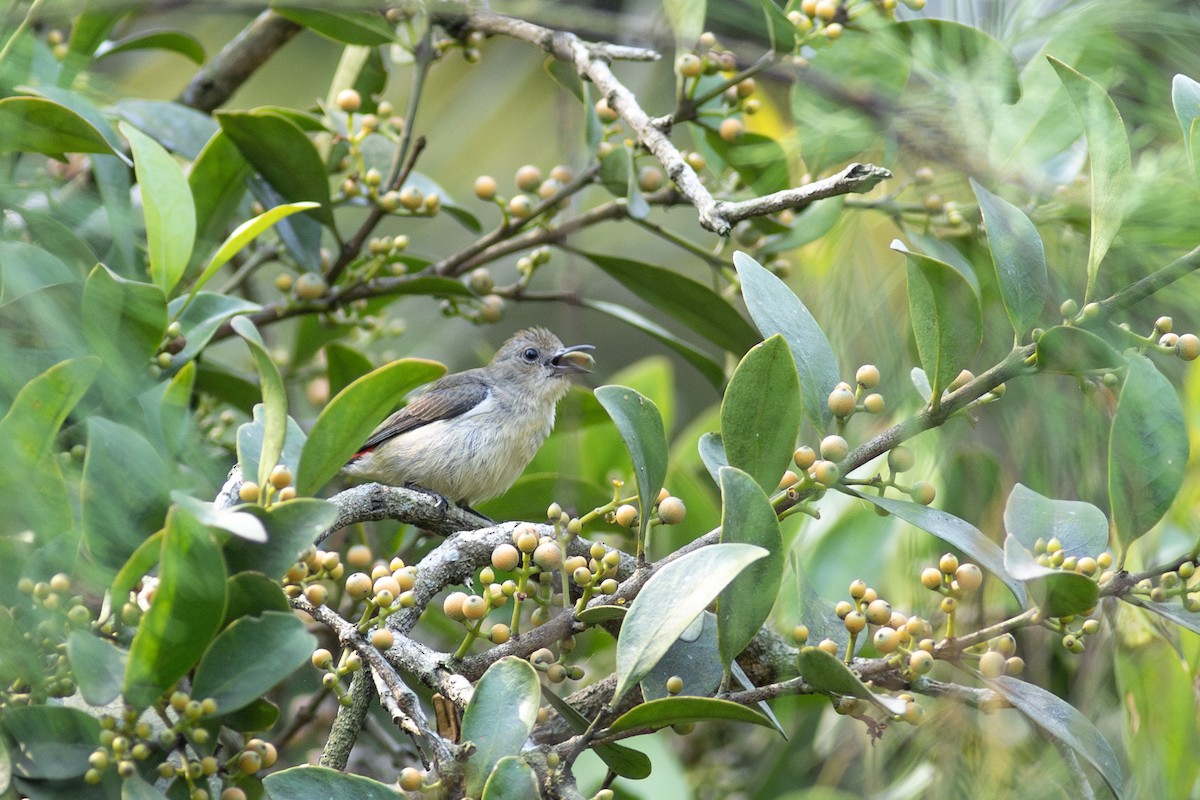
column 229, row 69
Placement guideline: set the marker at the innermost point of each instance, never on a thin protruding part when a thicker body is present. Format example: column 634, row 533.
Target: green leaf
column 366, row 27
column 686, row 18
column 814, row 611
column 135, row 788
column 511, row 779
column 38, row 125
column 500, row 717
column 274, row 398
column 55, row 741
column 683, row 709
column 249, row 594
column 231, row 520
column 953, row 49
column 953, row 531
column 707, row 367
column 641, row 428
column 828, row 673
column 747, row 517
column 204, row 315
column 686, row 300
column 344, row 365
column 1072, row 351
column 597, row 614
column 1019, row 256
column 21, row 660
column 673, row 597
column 167, row 206
column 811, row 224
column 292, row 526
column 245, row 233
column 348, row 419
column 251, row 656
column 712, row 453
column 123, row 322
column 187, row 609
column 1057, row 593
column 625, row 761
column 1147, row 451
column 1062, row 722
column 218, row 183
column 307, row 783
column 1174, row 611
column 1185, row 97
column 283, row 154
column 139, row 564
column 1108, row 151
column 946, row 321
column 776, row 309
column 780, row 30
column 759, row 160
column 761, row 413
column 695, row 657
column 175, row 41
column 74, row 101
column 98, row 667
column 1080, row 527
column 180, row 129
column 250, row 442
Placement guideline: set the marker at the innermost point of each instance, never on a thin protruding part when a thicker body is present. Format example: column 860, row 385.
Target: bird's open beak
column 573, row 359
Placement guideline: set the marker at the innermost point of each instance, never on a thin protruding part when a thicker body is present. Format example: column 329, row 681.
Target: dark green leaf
column 500, row 717
column 758, row 160
column 274, row 398
column 139, row 564
column 349, row 26
column 251, row 656
column 218, row 183
column 1108, row 151
column 953, row 531
column 707, row 367
column 1062, row 722
column 671, row 599
column 344, row 365
column 123, row 322
column 780, row 30
column 1019, row 256
column 307, row 783
column 27, row 431
column 283, row 154
column 694, row 657
column 946, row 321
column 712, row 454
column 511, row 779
column 250, row 439
column 167, row 206
column 135, row 788
column 261, row 715
column 776, row 309
column 250, row 594
column 828, row 673
column 1147, row 451
column 55, row 741
column 98, row 666
column 683, row 709
column 21, row 661
column 175, row 41
column 690, row 302
column 292, row 526
column 597, row 614
column 1080, row 527
column 761, row 413
column 348, row 419
column 1073, row 351
column 625, row 761
column 187, row 610
column 1058, row 593
column 38, row 125
column 747, row 517
column 203, row 316
column 76, row 102
column 641, row 427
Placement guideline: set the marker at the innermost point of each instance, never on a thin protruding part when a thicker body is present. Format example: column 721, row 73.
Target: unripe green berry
column 920, row 662
column 922, row 493
column 825, row 473
column 674, row 684
column 900, row 459
column 991, row 664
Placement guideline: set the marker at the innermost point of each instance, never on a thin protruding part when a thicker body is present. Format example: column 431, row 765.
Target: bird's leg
column 484, row 517
column 443, row 503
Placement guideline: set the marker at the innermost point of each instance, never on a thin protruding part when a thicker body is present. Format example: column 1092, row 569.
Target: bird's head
column 535, row 356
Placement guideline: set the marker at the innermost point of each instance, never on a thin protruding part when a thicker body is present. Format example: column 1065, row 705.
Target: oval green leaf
column 1058, row 593
column 1061, row 721
column 167, row 206
column 597, row 614
column 500, row 717
column 123, row 322
column 251, row 656
column 348, row 419
column 186, row 612
column 828, row 673
column 1080, row 527
column 273, row 394
column 776, row 309
column 712, row 454
column 1072, row 351
column 641, row 427
column 1019, row 257
column 175, row 41
column 1147, row 451
column 1185, row 97
column 673, row 597
column 218, row 183
column 747, row 517
column 946, row 321
column 761, row 413
column 690, row 302
column 38, row 125
column 98, row 667
column 292, row 526
column 306, row 783
column 625, row 761
column 205, row 313
column 511, row 779
column 683, row 709
column 55, row 741
column 1108, row 152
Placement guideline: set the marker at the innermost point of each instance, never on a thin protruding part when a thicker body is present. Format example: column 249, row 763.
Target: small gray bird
column 469, row 436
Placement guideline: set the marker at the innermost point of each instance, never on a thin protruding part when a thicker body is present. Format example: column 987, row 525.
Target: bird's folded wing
column 450, row 397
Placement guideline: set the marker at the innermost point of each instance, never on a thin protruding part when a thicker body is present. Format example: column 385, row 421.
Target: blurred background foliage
column 934, row 120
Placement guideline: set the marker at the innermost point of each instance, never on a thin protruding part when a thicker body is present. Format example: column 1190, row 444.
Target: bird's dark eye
column 530, row 355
